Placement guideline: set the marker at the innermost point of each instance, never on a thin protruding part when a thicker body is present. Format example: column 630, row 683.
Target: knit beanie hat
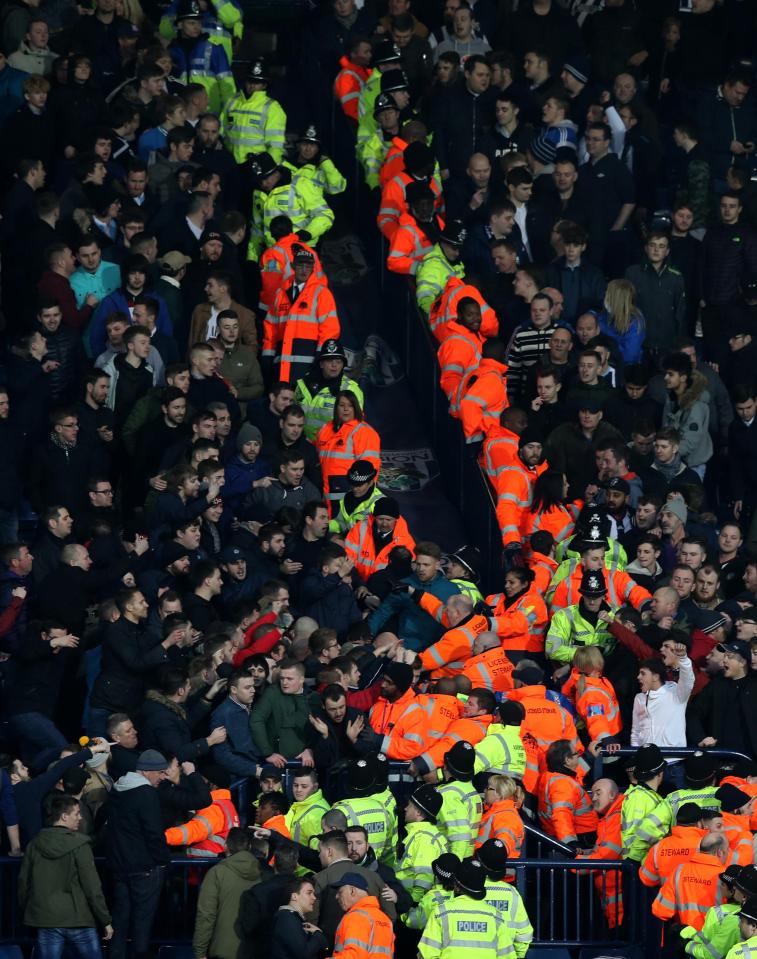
column 247, row 433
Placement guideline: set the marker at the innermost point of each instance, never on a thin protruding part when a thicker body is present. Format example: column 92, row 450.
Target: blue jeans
column 40, row 739
column 135, row 902
column 84, row 941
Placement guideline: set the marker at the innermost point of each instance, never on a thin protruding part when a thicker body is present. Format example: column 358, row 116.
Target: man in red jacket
column 54, row 284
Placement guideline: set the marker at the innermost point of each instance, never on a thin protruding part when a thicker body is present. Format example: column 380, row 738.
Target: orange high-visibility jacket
column 565, row 809
column 278, row 824
column 560, row 521
column 458, row 355
column 750, row 789
column 545, row 721
column 361, row 547
column 460, row 730
column 338, row 449
column 394, row 161
column 669, row 853
column 597, row 704
column 349, row 82
column 490, row 670
column 403, row 724
column 521, row 625
column 444, row 309
column 515, row 490
column 740, row 839
column 441, row 710
column 205, row 833
column 364, row 932
column 690, row 890
column 609, row 846
column 394, row 202
column 502, row 821
column 292, row 332
column 544, row 568
column 499, row 450
column 448, row 655
column 276, row 268
column 484, row 399
column 409, row 245
column 620, row 589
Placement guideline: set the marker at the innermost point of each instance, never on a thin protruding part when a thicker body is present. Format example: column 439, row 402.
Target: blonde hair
column 586, row 659
column 503, row 786
column 620, row 301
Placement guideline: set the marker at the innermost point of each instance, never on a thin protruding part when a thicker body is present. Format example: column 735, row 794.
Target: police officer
column 641, row 798
column 197, row 60
column 280, row 193
column 386, row 57
column 364, row 809
column 580, row 624
column 373, row 150
column 748, row 930
column 502, row 895
column 439, row 264
column 317, row 391
column 462, row 808
column 463, row 569
column 467, row 925
column 253, row 122
column 359, row 500
column 310, row 162
column 424, row 841
column 502, row 750
column 699, row 776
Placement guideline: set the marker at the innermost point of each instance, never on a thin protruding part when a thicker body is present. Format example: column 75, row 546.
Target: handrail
column 543, row 837
column 667, row 752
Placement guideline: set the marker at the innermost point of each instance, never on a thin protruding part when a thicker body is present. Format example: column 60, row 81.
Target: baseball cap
column 351, row 879
column 174, row 260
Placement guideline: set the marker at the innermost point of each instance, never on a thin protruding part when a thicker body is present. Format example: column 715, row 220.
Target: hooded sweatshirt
column 134, row 840
column 58, row 883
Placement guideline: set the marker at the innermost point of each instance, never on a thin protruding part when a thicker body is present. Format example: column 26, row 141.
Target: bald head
column 485, row 641
column 604, row 792
column 458, row 607
column 714, row 844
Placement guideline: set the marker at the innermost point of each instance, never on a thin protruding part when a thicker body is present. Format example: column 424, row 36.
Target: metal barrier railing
column 564, row 899
column 175, row 919
column 669, row 752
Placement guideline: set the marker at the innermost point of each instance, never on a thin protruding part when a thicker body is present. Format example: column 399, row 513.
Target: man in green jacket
column 218, row 903
column 59, row 888
column 279, row 721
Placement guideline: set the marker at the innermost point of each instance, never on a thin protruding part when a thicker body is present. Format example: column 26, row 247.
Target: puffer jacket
column 691, row 417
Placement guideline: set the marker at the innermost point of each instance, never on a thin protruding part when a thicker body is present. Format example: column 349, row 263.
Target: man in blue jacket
column 238, row 753
column 417, row 629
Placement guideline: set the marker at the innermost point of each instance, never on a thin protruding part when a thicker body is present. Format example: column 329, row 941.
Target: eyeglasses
column 104, row 492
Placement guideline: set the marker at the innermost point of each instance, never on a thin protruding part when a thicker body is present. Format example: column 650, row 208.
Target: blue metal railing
column 669, row 752
column 175, row 919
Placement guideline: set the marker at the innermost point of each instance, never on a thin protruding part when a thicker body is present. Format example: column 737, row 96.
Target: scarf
column 62, row 444
column 671, row 469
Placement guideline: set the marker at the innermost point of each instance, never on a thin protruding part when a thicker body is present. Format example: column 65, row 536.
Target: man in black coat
column 128, row 655
column 136, row 853
column 69, row 589
column 724, row 714
column 464, row 127
column 55, row 533
column 165, row 723
column 62, row 465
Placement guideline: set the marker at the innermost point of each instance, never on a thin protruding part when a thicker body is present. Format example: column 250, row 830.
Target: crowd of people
column 217, row 631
